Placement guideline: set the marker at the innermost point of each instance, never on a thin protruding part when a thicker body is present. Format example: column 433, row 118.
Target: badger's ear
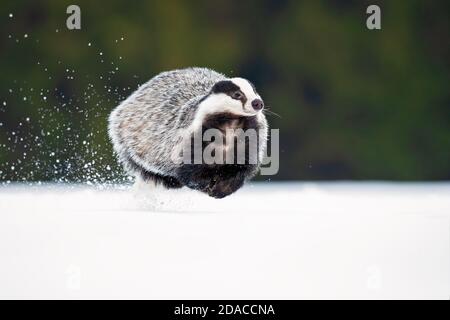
column 224, row 86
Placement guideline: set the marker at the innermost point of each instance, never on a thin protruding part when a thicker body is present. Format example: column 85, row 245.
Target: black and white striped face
column 236, row 95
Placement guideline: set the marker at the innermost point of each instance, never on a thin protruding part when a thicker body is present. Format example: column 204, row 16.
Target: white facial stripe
column 246, row 88
column 217, row 103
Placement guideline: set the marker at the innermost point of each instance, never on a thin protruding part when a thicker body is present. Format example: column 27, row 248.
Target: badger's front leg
column 226, row 182
column 217, row 181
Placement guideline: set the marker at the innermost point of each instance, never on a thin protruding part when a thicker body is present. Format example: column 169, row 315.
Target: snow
column 267, row 241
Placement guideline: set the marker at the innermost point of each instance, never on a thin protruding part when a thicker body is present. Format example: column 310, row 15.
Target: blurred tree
column 353, row 103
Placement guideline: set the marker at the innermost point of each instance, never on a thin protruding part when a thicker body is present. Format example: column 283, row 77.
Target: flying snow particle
column 25, row 35
column 89, row 44
column 10, row 15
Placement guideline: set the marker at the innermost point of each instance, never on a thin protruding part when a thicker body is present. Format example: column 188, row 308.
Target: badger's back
column 144, row 128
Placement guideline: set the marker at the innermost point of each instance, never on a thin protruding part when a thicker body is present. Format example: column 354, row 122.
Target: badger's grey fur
column 156, row 119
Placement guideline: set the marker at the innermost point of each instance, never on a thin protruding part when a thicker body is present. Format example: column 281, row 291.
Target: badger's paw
column 221, row 188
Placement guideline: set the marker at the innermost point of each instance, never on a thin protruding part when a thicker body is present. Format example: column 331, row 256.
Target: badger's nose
column 257, row 104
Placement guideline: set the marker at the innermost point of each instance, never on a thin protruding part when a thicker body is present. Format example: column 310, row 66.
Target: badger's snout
column 257, row 104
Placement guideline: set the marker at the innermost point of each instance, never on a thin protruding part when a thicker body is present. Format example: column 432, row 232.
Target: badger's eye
column 237, row 95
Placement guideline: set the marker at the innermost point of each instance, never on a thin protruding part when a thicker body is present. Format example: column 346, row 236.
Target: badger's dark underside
column 217, row 180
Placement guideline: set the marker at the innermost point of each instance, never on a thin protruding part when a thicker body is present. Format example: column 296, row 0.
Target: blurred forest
column 353, row 103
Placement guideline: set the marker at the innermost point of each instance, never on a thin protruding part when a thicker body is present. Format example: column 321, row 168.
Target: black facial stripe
column 225, row 86
column 228, row 87
column 243, row 98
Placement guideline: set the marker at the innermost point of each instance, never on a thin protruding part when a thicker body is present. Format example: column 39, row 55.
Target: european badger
column 163, row 115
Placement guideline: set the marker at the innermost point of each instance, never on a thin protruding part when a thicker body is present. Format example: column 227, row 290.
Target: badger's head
column 236, row 96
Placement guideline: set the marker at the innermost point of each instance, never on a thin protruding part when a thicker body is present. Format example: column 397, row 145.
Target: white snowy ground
column 268, row 241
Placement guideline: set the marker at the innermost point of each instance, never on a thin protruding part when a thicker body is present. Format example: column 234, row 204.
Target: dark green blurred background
column 354, row 103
